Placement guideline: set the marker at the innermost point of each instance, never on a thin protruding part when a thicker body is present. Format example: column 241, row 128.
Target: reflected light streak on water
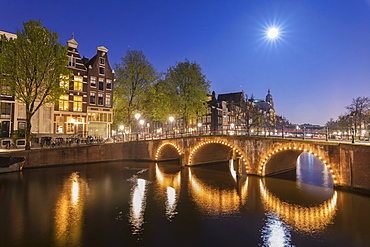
column 232, row 169
column 69, row 211
column 275, row 233
column 171, row 184
column 171, row 203
column 138, row 203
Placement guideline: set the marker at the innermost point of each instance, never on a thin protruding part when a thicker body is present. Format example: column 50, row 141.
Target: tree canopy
column 134, row 76
column 32, row 67
column 191, row 89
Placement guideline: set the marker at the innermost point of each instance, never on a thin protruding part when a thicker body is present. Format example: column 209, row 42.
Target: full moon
column 273, row 33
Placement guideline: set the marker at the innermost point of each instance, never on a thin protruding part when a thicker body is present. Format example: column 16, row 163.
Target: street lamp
column 137, row 116
column 199, row 127
column 171, row 120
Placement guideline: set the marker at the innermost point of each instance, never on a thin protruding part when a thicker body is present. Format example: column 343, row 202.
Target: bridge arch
column 288, row 155
column 231, row 147
column 167, row 151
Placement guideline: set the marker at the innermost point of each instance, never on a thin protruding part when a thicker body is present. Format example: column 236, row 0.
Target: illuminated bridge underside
column 266, row 156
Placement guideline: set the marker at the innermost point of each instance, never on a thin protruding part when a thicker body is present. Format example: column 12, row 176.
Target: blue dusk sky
column 317, row 65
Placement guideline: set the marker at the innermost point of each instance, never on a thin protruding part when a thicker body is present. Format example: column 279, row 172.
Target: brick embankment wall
column 83, row 154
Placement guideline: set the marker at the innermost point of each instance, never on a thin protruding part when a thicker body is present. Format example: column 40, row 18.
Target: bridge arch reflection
column 216, row 201
column 303, row 218
column 295, row 151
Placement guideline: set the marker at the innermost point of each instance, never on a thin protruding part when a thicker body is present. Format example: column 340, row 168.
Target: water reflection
column 306, row 219
column 137, row 205
column 170, row 183
column 215, row 200
column 69, row 211
column 275, row 232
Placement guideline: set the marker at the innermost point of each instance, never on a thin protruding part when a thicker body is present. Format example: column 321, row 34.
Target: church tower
column 269, row 99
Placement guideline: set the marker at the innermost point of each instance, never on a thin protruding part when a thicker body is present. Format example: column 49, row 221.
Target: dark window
column 101, row 84
column 101, row 70
column 109, row 84
column 5, row 108
column 102, row 61
column 100, row 99
column 92, row 98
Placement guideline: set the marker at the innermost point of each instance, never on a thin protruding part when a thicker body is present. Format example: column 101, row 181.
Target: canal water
column 149, row 204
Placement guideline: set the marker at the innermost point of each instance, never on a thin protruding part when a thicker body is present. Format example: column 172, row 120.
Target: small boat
column 11, row 164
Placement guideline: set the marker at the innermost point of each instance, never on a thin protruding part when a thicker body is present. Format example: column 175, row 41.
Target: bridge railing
column 308, row 134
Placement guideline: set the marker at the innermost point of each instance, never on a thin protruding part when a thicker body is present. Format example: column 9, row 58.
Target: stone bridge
column 348, row 163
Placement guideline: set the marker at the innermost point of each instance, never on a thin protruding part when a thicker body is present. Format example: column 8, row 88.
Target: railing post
column 282, row 132
column 353, row 135
column 304, row 133
column 327, row 134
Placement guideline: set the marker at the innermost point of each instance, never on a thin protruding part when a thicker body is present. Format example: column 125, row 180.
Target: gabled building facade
column 100, row 94
column 70, row 114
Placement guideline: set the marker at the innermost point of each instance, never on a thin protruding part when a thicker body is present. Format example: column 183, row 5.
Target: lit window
column 108, row 100
column 63, row 103
column 92, row 116
column 101, row 84
column 77, row 103
column 109, row 84
column 92, row 98
column 100, row 99
column 93, row 81
column 64, row 82
column 77, row 83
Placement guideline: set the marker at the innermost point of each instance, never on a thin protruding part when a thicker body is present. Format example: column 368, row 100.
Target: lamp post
column 199, row 127
column 171, row 121
column 121, row 128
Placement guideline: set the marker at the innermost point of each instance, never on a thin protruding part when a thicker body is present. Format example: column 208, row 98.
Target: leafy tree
column 32, row 67
column 159, row 101
column 191, row 88
column 134, row 77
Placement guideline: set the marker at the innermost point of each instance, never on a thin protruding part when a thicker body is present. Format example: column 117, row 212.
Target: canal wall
column 348, row 163
column 140, row 151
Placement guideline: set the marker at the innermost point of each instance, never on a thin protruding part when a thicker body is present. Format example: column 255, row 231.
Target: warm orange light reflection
column 69, row 211
column 138, row 204
column 303, row 218
column 170, row 184
column 216, row 201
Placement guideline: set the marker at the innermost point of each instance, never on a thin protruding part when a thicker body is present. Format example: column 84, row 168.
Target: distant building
column 228, row 112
